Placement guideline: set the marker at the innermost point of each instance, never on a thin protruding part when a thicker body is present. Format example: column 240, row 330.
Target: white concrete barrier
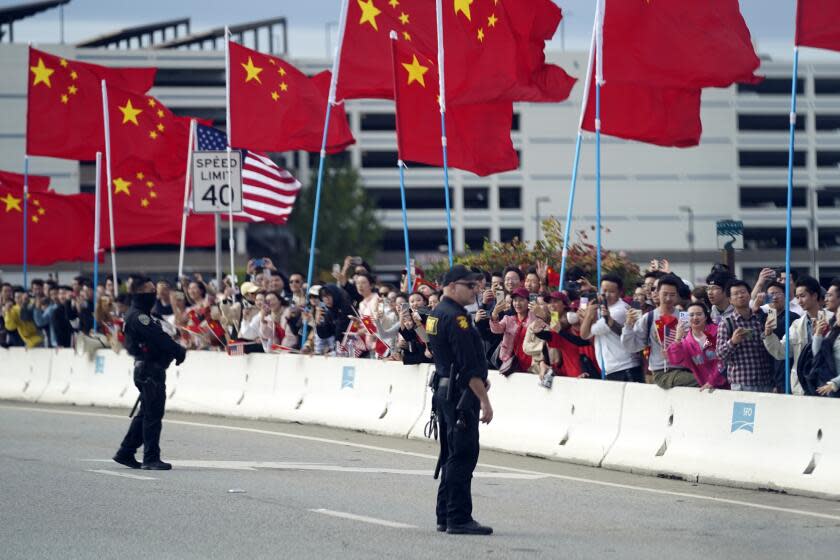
column 64, row 371
column 105, row 380
column 749, row 439
column 372, row 395
column 274, row 386
column 207, row 382
column 25, row 373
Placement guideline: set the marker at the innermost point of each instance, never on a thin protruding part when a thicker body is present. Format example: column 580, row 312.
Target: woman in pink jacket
column 695, row 349
column 513, row 328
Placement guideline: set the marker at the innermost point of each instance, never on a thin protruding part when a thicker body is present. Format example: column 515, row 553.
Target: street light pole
column 690, row 237
column 537, row 202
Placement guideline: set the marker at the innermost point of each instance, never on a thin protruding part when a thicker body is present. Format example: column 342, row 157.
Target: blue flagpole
column 97, row 217
column 25, row 220
column 568, row 227
column 794, row 79
column 442, row 96
column 408, row 271
column 323, row 155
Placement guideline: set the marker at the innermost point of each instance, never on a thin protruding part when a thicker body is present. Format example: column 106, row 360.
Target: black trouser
column 459, row 455
column 632, row 375
column 146, row 425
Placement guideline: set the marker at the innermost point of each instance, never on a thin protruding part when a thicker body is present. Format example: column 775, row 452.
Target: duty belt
column 443, row 382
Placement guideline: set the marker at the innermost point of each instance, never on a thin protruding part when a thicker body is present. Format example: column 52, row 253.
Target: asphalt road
column 248, row 489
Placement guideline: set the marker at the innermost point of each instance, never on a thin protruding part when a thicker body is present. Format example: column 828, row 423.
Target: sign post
column 216, row 191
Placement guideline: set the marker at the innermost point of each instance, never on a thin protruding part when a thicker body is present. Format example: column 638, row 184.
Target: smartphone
column 259, row 263
column 323, row 306
column 683, row 316
column 749, row 334
column 768, row 299
column 532, row 298
column 412, row 267
column 336, row 269
column 555, row 317
column 500, row 296
column 635, row 305
column 584, row 302
column 356, row 261
column 404, row 307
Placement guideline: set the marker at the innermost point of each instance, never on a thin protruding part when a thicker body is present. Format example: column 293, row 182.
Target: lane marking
column 364, row 519
column 581, row 480
column 124, row 475
column 289, row 466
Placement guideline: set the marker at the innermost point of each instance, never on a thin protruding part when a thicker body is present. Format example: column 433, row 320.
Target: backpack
column 815, row 371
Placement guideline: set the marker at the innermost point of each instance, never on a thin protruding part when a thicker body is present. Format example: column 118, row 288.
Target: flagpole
column 187, row 181
column 401, row 164
column 97, row 227
column 107, row 122
column 599, row 81
column 25, row 220
column 794, row 80
column 572, row 190
column 231, row 244
column 342, row 24
column 442, row 91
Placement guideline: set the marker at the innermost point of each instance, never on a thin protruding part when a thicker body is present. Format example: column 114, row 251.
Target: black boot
column 469, row 528
column 127, row 459
column 157, row 465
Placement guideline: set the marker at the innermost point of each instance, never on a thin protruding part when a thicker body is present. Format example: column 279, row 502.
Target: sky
column 770, row 21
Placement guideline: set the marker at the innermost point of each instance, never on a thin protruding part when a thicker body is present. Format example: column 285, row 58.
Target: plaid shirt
column 747, row 363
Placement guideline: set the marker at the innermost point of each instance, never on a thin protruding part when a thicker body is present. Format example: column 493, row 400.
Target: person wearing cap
column 513, row 328
column 716, row 291
column 564, row 345
column 460, row 394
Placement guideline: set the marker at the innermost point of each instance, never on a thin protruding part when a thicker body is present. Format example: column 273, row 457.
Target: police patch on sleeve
column 431, row 325
column 144, row 319
column 463, row 324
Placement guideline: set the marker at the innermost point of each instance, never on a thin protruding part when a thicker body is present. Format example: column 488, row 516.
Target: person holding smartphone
column 695, row 348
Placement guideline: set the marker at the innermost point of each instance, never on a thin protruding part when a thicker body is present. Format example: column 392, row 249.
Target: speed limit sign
column 214, row 188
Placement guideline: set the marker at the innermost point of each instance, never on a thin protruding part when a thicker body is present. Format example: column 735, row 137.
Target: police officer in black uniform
column 460, row 394
column 153, row 351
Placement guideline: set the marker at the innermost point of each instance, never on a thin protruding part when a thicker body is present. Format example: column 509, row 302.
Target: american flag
column 269, row 191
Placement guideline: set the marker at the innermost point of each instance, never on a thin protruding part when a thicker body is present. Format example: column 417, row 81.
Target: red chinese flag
column 64, row 111
column 494, row 51
column 14, row 181
column 60, row 227
column 661, row 116
column 677, row 43
column 143, row 128
column 148, row 210
column 817, row 24
column 275, row 107
column 478, row 135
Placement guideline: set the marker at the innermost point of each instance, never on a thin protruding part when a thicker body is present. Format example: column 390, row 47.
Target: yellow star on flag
column 130, row 113
column 144, row 203
column 12, row 203
column 491, row 21
column 153, row 135
column 480, row 34
column 463, row 6
column 369, row 13
column 160, row 127
column 275, row 96
column 63, row 63
column 281, row 71
column 36, row 219
column 161, row 114
column 35, row 202
column 152, row 102
column 253, row 71
column 152, row 194
column 394, row 3
column 121, row 186
column 284, row 86
column 406, row 35
column 404, row 18
column 140, row 176
column 74, row 75
column 42, row 73
column 72, row 90
column 416, row 71
column 64, row 98
column 41, row 211
column 150, row 184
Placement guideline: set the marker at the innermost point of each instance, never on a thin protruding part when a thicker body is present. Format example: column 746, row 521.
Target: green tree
column 347, row 221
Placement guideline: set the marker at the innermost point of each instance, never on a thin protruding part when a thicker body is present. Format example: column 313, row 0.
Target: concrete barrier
column 105, row 380
column 207, row 382
column 748, row 439
column 25, row 373
column 274, row 386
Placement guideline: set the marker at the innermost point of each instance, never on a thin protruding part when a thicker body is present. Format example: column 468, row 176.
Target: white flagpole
column 230, row 159
column 442, row 92
column 107, row 123
column 187, row 181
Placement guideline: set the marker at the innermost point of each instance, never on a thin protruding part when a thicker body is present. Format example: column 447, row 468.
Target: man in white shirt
column 615, row 360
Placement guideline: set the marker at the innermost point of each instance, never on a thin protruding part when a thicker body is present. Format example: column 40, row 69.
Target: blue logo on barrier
column 743, row 417
column 100, row 364
column 348, row 377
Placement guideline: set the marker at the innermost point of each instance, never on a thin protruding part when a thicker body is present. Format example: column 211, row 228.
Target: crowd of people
column 725, row 334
